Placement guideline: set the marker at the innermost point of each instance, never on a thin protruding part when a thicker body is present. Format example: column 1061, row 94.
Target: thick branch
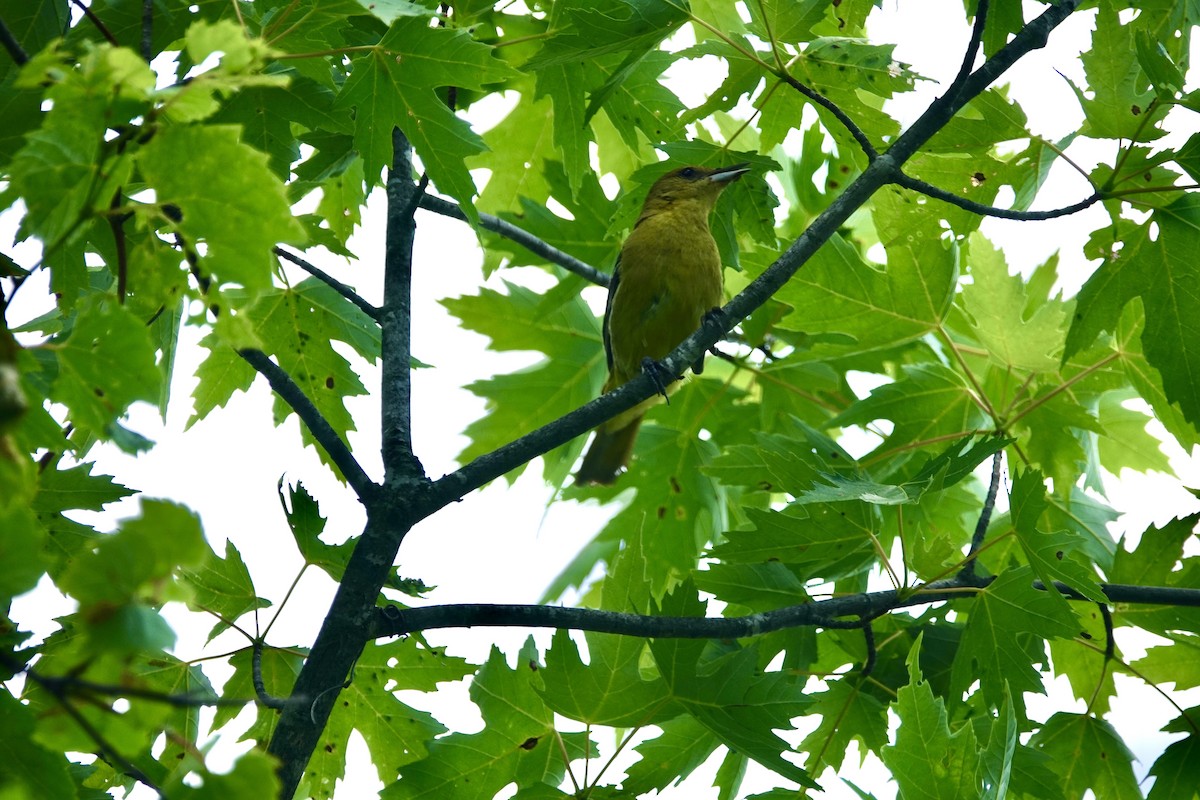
column 837, row 612
column 390, row 514
column 283, row 385
column 396, row 319
column 527, row 240
column 968, row 62
column 332, row 282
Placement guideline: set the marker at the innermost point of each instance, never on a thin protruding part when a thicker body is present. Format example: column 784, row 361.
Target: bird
column 667, row 278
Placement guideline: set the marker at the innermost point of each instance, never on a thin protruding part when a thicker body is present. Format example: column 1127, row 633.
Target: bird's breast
column 670, row 277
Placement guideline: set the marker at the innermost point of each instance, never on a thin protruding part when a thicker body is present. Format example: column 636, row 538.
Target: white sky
column 503, row 544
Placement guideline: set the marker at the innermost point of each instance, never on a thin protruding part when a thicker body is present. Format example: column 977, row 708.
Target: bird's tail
column 608, row 453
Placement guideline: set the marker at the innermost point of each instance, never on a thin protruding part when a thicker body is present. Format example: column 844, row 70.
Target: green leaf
column 306, row 523
column 559, row 324
column 105, row 364
column 669, row 758
column 1117, row 86
column 393, row 86
column 298, row 327
column 611, row 689
column 1051, row 554
column 584, row 30
column 517, row 149
column 22, row 536
column 144, row 550
column 1158, row 552
column 997, row 649
column 847, row 714
column 253, row 777
column 28, row 769
column 517, row 743
column 225, row 186
column 997, row 304
column 585, row 236
column 396, row 734
column 1177, row 771
column 929, row 760
column 222, row 373
column 279, row 670
column 76, row 488
column 1157, row 64
column 1175, row 663
column 838, row 292
column 1088, row 754
column 931, row 402
column 222, row 587
column 1154, row 266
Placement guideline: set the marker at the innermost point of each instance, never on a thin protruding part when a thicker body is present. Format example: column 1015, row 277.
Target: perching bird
column 668, row 276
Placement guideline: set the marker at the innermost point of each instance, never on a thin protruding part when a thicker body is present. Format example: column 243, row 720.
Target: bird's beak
column 728, row 174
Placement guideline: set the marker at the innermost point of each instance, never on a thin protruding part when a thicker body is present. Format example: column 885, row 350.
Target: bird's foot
column 659, row 375
column 714, row 318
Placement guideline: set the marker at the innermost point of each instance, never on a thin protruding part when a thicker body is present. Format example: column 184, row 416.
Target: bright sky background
column 505, row 544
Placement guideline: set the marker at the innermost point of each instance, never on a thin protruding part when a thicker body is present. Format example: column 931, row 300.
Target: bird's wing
column 612, row 291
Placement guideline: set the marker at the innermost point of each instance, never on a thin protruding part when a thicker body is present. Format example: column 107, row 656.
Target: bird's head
column 691, row 185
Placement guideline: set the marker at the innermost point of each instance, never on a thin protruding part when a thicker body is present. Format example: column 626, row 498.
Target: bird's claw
column 659, row 375
column 713, row 318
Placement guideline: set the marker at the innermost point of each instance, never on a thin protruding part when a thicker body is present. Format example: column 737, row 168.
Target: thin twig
column 100, row 26
column 260, row 688
column 968, row 573
column 148, row 30
column 869, row 640
column 928, row 189
column 106, row 749
column 527, row 240
column 15, row 51
column 64, row 685
column 1110, row 652
column 824, row 102
column 333, row 283
column 288, row 391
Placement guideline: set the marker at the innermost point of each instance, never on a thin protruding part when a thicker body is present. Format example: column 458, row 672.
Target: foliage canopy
column 786, row 553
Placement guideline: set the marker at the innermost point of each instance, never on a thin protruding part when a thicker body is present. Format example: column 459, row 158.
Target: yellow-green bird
column 668, row 276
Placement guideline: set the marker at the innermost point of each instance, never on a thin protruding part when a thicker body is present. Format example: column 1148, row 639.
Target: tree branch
column 390, row 511
column 968, row 62
column 985, row 517
column 100, row 26
column 832, row 613
column 833, row 108
column 333, row 283
column 400, row 465
column 527, row 240
column 148, row 30
column 928, row 189
column 283, row 385
column 105, row 748
column 15, row 51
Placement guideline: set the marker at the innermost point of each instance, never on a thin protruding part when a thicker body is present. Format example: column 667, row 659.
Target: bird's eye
column 691, row 173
